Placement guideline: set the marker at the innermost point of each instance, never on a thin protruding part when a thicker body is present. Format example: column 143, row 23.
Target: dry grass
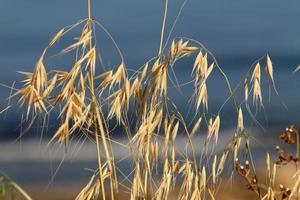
column 80, row 95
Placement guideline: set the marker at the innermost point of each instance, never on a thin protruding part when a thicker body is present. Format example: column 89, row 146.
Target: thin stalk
column 100, row 165
column 89, row 11
column 94, row 110
column 163, row 28
column 147, row 166
column 113, row 184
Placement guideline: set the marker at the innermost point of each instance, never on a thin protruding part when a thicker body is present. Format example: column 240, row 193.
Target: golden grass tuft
column 79, row 96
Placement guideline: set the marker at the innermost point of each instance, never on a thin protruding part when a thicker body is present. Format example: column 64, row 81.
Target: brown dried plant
column 269, row 191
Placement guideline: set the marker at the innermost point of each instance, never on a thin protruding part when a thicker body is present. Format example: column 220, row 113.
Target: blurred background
column 236, row 32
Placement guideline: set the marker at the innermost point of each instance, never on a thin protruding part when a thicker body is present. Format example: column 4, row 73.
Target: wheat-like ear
column 120, row 101
column 83, row 41
column 106, row 79
column 137, row 189
column 50, row 87
column 35, row 88
column 202, row 97
column 203, row 180
column 196, row 191
column 255, row 79
column 268, row 168
column 246, row 91
column 196, row 126
column 201, row 71
column 214, row 170
column 240, row 125
column 187, row 182
column 269, row 68
column 165, row 184
column 222, row 163
column 213, row 129
column 56, row 37
column 180, row 49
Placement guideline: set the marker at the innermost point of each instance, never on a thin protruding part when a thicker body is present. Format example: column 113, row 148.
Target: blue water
column 237, row 32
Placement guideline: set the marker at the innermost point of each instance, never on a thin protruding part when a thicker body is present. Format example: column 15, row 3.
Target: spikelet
column 269, row 69
column 136, row 89
column 246, row 91
column 255, row 79
column 256, row 75
column 34, row 86
column 201, row 71
column 180, row 49
column 203, row 180
column 82, row 88
column 119, row 76
column 159, row 79
column 273, row 175
column 175, row 131
column 144, row 72
column 196, row 126
column 154, row 151
column 62, row 76
column 187, row 182
column 167, row 139
column 92, row 60
column 268, row 168
column 120, row 102
column 202, row 98
column 56, row 37
column 168, row 134
column 214, row 168
column 222, row 163
column 199, row 188
column 200, row 65
column 240, row 125
column 105, row 80
column 50, row 87
column 40, row 74
column 214, row 129
column 165, row 184
column 137, row 189
column 83, row 41
column 196, row 193
column 62, row 134
column 147, row 127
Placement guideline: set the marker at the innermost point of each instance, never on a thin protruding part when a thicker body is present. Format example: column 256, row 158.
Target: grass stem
column 163, row 28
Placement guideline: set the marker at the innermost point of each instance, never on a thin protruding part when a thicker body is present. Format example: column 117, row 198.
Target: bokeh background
column 236, row 32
